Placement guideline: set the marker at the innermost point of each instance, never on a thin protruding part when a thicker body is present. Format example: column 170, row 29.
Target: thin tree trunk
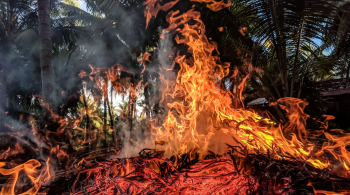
column 270, row 79
column 131, row 115
column 135, row 111
column 146, row 93
column 274, row 85
column 111, row 116
column 112, row 119
column 47, row 71
column 5, row 46
column 105, row 116
column 280, row 114
column 347, row 71
column 307, row 67
column 296, row 58
column 110, row 106
column 130, row 109
column 281, row 52
column 87, row 127
column 234, row 92
column 3, row 93
column 301, row 84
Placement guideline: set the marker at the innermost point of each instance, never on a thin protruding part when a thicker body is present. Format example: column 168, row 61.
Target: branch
column 296, row 58
column 281, row 61
column 280, row 114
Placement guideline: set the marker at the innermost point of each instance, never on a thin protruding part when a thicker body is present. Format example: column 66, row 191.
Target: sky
column 82, row 4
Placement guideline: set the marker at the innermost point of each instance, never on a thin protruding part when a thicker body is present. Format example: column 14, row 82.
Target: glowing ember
column 157, row 175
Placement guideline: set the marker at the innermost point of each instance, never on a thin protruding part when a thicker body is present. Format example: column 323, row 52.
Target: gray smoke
column 140, row 137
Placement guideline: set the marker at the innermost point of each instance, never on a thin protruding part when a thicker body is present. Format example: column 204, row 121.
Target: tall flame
column 201, row 108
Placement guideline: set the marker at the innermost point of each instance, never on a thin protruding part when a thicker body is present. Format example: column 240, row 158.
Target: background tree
column 289, row 40
column 47, row 71
column 15, row 17
column 342, row 50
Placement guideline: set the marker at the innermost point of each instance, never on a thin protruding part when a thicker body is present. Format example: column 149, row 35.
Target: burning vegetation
column 201, row 145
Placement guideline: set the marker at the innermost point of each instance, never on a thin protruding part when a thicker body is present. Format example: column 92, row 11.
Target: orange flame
column 36, row 177
column 201, row 104
column 153, row 7
column 215, row 5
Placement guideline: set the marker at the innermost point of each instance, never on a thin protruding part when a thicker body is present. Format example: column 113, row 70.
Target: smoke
column 165, row 53
column 97, row 52
column 26, row 144
column 20, row 131
column 101, row 40
column 140, row 137
column 164, row 58
column 134, row 141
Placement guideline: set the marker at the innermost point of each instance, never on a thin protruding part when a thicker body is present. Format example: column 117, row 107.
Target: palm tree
column 14, row 18
column 289, row 36
column 47, row 71
column 342, row 50
column 23, row 45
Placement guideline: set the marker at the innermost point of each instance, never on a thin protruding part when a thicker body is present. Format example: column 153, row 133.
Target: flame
column 198, row 99
column 30, row 169
column 153, row 7
column 11, row 152
column 214, row 5
column 144, row 59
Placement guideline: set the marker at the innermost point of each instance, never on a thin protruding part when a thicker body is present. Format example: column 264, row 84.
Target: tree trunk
column 111, row 116
column 130, row 109
column 111, row 113
column 131, row 114
column 278, row 111
column 296, row 58
column 135, row 111
column 274, row 85
column 347, row 71
column 105, row 117
column 281, row 50
column 318, row 51
column 3, row 93
column 47, row 71
column 146, row 93
column 87, row 127
column 5, row 47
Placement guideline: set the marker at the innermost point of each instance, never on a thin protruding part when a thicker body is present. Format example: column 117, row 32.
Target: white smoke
column 140, row 137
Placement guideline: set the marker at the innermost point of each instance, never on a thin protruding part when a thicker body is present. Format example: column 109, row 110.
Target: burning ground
column 179, row 153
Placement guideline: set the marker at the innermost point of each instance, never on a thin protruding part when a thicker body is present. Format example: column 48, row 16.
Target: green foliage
column 289, row 37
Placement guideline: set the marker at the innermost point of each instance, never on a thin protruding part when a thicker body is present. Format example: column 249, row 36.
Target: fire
column 30, row 167
column 199, row 109
column 11, row 152
column 200, row 99
column 215, row 5
column 153, row 8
